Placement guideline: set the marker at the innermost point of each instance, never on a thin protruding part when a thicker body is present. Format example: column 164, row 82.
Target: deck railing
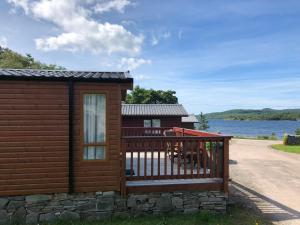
column 188, row 154
column 143, row 131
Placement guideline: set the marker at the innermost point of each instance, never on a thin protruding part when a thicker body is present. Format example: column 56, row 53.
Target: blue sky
column 216, row 55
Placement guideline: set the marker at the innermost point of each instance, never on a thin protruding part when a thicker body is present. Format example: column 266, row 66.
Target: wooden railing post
column 226, row 165
column 123, row 168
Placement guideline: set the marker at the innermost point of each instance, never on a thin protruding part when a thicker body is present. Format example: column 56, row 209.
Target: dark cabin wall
column 188, row 125
column 132, row 121
column 34, row 138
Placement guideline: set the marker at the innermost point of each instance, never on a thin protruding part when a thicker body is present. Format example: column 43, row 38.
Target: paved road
column 269, row 178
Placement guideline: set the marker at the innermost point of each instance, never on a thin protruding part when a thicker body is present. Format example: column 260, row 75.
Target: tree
column 13, row 60
column 203, row 122
column 297, row 132
column 149, row 96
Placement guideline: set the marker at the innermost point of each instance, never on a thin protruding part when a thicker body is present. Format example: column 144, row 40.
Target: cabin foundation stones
column 33, row 209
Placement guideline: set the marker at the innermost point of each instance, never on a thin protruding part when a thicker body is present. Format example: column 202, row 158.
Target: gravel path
column 269, row 178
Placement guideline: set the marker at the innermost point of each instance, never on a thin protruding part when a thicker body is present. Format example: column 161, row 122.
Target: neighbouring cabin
column 189, row 121
column 163, row 116
column 60, row 131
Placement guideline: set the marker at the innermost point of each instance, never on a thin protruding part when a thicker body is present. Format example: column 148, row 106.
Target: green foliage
column 13, row 60
column 287, row 148
column 266, row 137
column 203, row 122
column 264, row 114
column 285, row 139
column 150, row 96
column 297, row 132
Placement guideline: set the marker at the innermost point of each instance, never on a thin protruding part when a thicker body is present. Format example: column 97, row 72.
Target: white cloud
column 3, row 42
column 154, row 40
column 133, row 63
column 20, row 3
column 141, row 77
column 79, row 31
column 162, row 36
column 106, row 6
column 166, row 35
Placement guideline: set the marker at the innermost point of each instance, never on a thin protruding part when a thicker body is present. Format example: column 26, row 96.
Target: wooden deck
column 161, row 163
column 187, row 160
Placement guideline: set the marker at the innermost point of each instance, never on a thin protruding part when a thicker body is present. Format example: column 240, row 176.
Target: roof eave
column 77, row 79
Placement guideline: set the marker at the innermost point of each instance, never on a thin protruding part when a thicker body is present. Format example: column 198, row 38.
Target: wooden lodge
column 189, row 121
column 62, row 131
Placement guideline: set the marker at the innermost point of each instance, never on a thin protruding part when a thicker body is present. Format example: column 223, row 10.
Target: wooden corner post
column 123, row 167
column 226, row 165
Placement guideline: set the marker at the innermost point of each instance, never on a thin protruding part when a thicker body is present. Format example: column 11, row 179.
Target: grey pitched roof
column 64, row 75
column 153, row 110
column 189, row 119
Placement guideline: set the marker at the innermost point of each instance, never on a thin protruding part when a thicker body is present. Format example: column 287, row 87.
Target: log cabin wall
column 98, row 175
column 34, row 129
column 33, row 137
column 138, row 121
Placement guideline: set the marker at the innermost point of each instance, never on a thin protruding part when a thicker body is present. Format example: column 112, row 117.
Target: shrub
column 285, row 139
column 297, row 131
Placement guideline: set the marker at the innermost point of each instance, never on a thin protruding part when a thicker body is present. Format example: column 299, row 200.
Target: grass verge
column 235, row 216
column 287, row 148
column 272, row 138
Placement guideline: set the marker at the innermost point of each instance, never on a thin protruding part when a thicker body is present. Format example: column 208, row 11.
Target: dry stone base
column 102, row 205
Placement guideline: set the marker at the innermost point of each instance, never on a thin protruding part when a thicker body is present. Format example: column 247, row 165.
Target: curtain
column 94, row 125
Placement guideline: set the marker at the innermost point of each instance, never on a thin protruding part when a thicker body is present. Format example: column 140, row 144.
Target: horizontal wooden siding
column 33, row 137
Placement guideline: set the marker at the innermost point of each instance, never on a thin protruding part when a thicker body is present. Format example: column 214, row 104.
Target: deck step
column 173, row 182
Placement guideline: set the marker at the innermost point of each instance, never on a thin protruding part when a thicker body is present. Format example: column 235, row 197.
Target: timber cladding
column 34, row 138
column 138, row 121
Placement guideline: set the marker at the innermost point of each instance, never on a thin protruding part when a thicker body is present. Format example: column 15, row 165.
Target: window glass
column 94, row 152
column 156, row 123
column 147, row 123
column 94, row 125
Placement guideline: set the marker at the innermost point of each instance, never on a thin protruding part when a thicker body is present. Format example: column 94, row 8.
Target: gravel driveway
column 269, row 178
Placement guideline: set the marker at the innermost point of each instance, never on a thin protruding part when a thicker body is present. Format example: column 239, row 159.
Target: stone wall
column 102, row 205
column 293, row 139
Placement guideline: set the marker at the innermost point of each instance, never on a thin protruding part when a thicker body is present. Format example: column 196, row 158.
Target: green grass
column 287, row 148
column 273, row 138
column 235, row 216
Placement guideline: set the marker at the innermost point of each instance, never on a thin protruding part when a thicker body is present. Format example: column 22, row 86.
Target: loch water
column 253, row 128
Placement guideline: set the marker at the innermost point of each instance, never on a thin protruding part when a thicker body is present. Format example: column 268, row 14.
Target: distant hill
column 253, row 114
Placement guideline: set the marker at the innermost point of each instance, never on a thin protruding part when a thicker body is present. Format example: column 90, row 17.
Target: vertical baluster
column 172, row 157
column 211, row 159
column 131, row 158
column 158, row 158
column 184, row 155
column 204, row 152
column 145, row 158
column 217, row 160
column 198, row 158
column 178, row 160
column 139, row 158
column 165, row 146
column 152, row 148
column 192, row 156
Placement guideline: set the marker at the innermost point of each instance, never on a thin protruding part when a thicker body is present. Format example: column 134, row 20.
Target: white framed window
column 147, row 123
column 94, row 127
column 155, row 122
